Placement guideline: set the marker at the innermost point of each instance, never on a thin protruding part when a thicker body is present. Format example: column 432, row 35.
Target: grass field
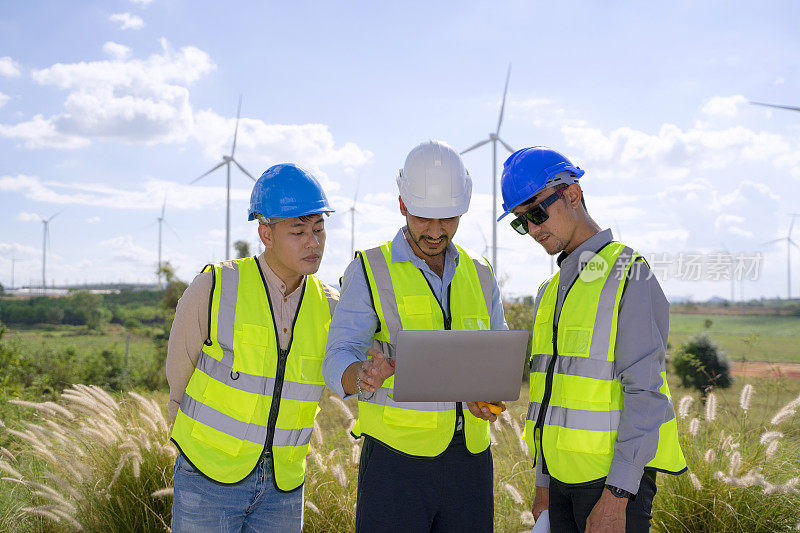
column 719, row 506
column 62, row 336
column 752, row 338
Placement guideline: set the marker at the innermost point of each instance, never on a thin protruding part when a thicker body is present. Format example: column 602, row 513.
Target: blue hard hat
column 287, row 191
column 527, row 172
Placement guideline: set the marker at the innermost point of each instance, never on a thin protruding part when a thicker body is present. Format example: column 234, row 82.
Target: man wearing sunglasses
column 600, row 419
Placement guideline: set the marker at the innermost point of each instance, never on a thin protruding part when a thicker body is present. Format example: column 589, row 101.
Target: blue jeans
column 201, row 505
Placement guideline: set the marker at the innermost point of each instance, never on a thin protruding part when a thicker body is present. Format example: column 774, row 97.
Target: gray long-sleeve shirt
column 639, row 359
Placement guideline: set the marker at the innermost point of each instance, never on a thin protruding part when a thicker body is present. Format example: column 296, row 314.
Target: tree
column 92, row 306
column 701, row 365
column 242, row 249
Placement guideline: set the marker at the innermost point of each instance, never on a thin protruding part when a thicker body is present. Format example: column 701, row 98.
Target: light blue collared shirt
column 354, row 322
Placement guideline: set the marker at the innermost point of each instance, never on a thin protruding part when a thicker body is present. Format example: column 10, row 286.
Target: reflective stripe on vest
column 403, row 299
column 583, row 411
column 227, row 415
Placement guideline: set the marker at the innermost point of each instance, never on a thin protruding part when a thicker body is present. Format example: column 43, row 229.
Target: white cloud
column 28, row 217
column 127, row 21
column 673, row 153
column 311, row 145
column 7, row 250
column 148, row 195
column 131, row 101
column 42, row 133
column 143, row 3
column 3, row 99
column 93, row 220
column 116, row 50
column 723, row 105
column 779, row 80
column 123, row 249
column 9, row 67
column 146, row 101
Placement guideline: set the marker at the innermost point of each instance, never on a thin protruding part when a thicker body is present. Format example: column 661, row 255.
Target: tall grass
column 744, row 468
column 102, row 464
column 90, row 463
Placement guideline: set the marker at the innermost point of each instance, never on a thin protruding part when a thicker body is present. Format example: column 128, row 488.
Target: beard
column 422, row 243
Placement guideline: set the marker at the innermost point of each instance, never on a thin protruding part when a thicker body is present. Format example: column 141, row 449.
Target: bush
column 701, row 365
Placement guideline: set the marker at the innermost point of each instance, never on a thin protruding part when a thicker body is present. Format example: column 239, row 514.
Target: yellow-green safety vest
column 246, row 393
column 575, row 400
column 404, row 300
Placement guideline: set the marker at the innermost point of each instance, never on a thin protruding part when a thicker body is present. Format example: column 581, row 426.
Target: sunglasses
column 536, row 214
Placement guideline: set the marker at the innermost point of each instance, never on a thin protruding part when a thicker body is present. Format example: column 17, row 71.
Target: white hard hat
column 434, row 183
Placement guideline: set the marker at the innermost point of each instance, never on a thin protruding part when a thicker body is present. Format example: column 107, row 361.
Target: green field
column 743, row 337
column 62, row 336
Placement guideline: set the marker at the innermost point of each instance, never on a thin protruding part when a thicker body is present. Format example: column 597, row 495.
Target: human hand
column 608, row 514
column 541, row 501
column 374, row 371
column 482, row 410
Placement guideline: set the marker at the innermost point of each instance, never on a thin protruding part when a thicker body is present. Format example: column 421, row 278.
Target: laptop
column 459, row 366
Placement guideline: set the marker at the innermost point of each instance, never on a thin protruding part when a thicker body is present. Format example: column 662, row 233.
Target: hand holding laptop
column 482, row 409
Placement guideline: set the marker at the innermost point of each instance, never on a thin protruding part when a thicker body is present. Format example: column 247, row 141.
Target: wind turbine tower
column 789, row 244
column 162, row 220
column 227, row 160
column 494, row 138
column 45, row 239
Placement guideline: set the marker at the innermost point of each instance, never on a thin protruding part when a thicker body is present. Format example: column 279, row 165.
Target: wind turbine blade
column 243, row 170
column 172, row 229
column 791, row 225
column 164, row 207
column 355, row 195
column 236, row 131
column 773, row 241
column 476, row 146
column 794, row 244
column 207, row 173
column 789, row 107
column 511, row 150
column 503, row 105
column 54, row 216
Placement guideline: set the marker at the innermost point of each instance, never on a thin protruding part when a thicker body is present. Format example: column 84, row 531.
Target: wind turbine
column 353, row 212
column 486, row 244
column 494, row 138
column 789, row 107
column 162, row 220
column 227, row 160
column 789, row 244
column 45, row 239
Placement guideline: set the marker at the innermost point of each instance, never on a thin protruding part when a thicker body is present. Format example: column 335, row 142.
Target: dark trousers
column 399, row 492
column 570, row 505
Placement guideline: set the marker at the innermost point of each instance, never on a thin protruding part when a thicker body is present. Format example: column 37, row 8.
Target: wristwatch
column 618, row 492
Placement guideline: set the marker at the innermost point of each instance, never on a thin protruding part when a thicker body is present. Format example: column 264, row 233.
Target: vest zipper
column 280, row 369
column 283, row 355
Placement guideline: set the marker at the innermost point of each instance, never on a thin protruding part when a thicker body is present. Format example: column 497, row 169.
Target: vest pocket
column 586, row 426
column 311, row 370
column 228, row 403
column 396, row 416
column 418, row 313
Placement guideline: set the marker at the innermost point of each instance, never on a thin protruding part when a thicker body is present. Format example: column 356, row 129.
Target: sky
column 109, row 109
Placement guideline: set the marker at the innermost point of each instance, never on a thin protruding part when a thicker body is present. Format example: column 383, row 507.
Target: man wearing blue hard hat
column 600, row 420
column 244, row 365
column 425, row 466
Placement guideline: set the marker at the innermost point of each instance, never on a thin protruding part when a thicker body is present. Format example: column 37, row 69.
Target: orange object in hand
column 494, row 409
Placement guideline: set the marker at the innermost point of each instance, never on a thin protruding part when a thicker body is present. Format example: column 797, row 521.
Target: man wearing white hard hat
column 424, row 466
